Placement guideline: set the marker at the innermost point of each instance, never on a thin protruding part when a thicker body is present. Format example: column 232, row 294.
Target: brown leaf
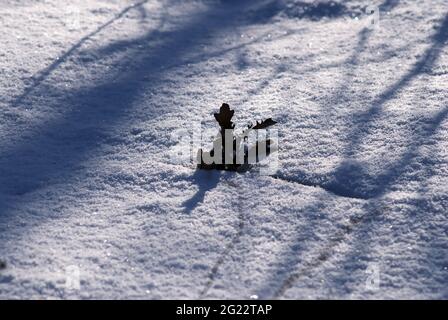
column 224, row 117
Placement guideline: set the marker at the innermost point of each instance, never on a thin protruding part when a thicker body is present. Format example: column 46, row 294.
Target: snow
column 92, row 92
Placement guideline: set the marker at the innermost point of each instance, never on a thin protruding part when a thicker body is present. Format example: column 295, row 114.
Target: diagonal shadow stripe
column 39, row 77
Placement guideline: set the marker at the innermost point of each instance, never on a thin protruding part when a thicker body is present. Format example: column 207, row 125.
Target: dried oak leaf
column 224, row 117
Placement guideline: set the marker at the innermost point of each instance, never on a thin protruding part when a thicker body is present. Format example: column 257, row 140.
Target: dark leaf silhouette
column 224, row 117
column 263, row 124
column 221, row 162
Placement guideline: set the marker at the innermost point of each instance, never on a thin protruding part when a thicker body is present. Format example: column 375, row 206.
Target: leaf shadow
column 205, row 180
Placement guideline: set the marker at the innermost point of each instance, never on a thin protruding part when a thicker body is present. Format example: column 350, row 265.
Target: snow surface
column 91, row 93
